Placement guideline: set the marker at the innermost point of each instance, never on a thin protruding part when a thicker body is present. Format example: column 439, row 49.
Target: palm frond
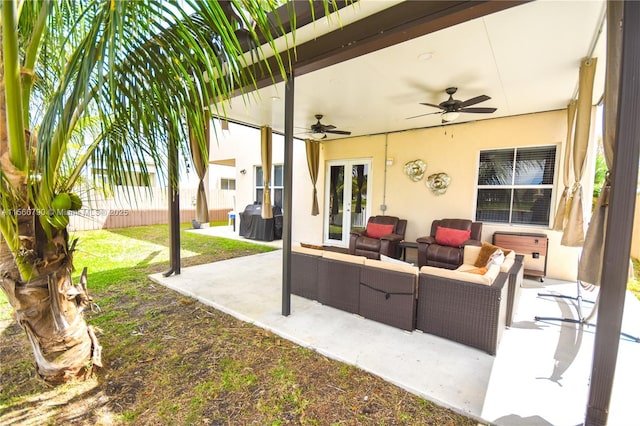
column 170, row 62
column 114, row 83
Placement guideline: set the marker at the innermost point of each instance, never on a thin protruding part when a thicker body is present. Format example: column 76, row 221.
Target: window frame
column 274, row 188
column 513, row 187
column 227, row 180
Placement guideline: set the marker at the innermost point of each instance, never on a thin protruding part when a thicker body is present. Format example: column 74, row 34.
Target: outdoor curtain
column 590, row 265
column 265, row 146
column 200, row 159
column 561, row 214
column 573, row 235
column 313, row 163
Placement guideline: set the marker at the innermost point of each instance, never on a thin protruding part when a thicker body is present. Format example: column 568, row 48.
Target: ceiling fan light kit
column 451, row 109
column 450, row 116
column 318, row 135
column 319, row 130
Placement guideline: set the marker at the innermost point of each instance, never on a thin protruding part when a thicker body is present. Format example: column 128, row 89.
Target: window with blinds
column 515, row 185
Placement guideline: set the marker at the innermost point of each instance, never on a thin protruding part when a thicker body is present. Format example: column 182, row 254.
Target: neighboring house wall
column 150, row 206
column 219, row 196
column 242, row 144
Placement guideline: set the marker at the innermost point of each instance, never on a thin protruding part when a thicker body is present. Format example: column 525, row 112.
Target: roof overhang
column 225, row 162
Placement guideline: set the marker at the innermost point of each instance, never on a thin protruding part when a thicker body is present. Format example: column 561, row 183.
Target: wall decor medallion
column 438, row 183
column 415, row 169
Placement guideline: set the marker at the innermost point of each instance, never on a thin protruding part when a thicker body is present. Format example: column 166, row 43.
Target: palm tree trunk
column 49, row 309
column 48, row 306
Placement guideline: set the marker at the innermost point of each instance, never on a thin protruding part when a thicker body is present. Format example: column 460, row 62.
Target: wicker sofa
column 513, row 266
column 388, row 293
column 471, row 313
column 467, row 308
column 381, row 291
column 338, row 280
column 304, row 272
column 516, row 276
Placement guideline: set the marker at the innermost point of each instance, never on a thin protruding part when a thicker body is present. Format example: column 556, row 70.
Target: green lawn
column 128, row 255
column 634, row 284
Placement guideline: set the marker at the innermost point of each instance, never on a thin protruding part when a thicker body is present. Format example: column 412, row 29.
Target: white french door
column 347, row 190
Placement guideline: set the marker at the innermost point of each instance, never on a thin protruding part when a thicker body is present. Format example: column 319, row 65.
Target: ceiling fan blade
column 474, row 101
column 431, row 105
column 328, row 127
column 338, row 132
column 478, row 110
column 422, row 115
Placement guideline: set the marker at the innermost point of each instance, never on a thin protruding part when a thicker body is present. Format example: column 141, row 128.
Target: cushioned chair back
column 400, row 226
column 464, row 224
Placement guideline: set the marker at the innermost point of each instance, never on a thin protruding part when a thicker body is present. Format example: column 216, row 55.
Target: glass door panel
column 346, row 194
column 360, row 175
column 336, row 203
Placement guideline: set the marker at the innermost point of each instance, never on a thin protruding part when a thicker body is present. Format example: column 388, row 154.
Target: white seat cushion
column 461, row 275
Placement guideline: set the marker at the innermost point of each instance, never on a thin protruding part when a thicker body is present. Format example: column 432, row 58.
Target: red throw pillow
column 377, row 230
column 452, row 237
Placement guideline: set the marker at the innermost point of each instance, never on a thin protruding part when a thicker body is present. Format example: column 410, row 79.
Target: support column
column 619, row 223
column 287, row 195
column 174, row 210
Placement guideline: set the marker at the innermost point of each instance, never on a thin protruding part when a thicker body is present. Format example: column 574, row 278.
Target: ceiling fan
column 451, row 108
column 319, row 130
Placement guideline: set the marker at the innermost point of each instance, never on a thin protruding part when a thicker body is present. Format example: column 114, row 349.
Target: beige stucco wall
column 453, row 149
column 305, row 227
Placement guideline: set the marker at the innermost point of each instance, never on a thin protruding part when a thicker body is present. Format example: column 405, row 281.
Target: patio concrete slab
column 229, row 232
column 540, row 375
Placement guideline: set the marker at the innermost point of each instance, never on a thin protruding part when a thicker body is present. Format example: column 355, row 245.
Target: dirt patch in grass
column 170, row 360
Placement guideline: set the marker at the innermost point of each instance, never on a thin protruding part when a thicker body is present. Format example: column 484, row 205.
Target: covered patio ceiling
column 525, row 57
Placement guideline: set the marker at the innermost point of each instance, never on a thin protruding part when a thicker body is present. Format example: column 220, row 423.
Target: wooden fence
column 149, row 208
